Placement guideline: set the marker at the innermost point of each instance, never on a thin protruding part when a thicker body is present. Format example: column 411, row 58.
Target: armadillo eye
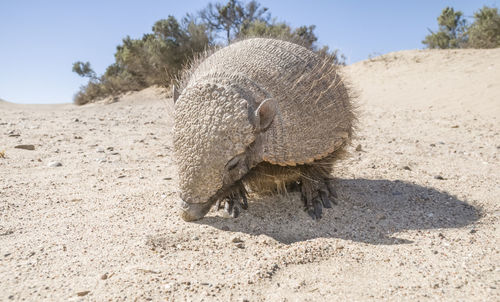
column 232, row 163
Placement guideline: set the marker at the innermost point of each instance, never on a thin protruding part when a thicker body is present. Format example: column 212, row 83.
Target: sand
column 417, row 217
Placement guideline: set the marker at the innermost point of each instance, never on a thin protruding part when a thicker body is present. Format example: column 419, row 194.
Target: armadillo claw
column 327, row 203
column 236, row 201
column 332, row 190
column 315, row 199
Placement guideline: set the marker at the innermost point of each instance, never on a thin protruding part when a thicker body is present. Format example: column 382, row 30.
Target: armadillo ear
column 264, row 114
column 175, row 93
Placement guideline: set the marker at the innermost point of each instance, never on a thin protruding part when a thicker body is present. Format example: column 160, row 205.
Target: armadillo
column 260, row 115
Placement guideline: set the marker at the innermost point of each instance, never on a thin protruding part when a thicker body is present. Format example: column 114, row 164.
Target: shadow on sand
column 369, row 211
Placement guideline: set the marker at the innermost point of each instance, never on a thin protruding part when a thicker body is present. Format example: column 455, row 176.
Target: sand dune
column 455, row 81
column 417, row 217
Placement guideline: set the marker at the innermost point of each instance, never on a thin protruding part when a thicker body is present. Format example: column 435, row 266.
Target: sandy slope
column 102, row 225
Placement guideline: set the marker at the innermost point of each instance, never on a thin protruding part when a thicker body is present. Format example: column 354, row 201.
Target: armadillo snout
column 194, row 211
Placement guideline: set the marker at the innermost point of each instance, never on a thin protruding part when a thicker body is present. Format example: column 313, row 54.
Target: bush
column 159, row 57
column 155, row 59
column 454, row 32
column 485, row 31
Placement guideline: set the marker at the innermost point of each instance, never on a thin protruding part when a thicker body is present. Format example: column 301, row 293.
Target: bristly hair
column 182, row 79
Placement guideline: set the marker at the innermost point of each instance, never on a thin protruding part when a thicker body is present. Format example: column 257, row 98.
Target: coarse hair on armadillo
column 269, row 179
column 181, row 80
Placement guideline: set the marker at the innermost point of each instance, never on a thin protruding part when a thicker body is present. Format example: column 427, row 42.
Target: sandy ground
column 417, row 217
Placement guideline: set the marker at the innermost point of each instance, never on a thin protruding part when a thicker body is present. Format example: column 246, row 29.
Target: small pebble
column 406, row 168
column 25, row 147
column 359, row 148
column 240, row 245
column 54, row 164
column 83, row 293
column 99, row 150
column 439, row 177
column 236, row 239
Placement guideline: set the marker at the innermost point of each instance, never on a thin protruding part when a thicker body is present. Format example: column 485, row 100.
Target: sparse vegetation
column 455, row 32
column 485, row 31
column 158, row 57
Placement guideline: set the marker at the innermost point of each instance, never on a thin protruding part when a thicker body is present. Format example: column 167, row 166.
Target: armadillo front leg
column 235, row 201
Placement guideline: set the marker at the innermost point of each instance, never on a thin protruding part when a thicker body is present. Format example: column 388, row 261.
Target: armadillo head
column 214, row 129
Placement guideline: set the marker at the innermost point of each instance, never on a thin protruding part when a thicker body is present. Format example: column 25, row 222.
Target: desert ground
column 91, row 212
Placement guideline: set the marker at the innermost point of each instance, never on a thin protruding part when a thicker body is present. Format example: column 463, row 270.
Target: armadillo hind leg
column 317, row 191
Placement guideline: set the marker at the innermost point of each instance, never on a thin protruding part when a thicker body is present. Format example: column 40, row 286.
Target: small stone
column 104, row 276
column 236, row 239
column 54, row 164
column 473, row 231
column 77, row 137
column 114, row 153
column 25, row 147
column 167, row 178
column 99, row 150
column 406, row 168
column 454, row 126
column 76, row 120
column 225, row 228
column 240, row 245
column 13, row 133
column 121, row 176
column 83, row 293
column 110, row 148
column 439, row 177
column 380, row 216
column 432, row 145
column 359, row 148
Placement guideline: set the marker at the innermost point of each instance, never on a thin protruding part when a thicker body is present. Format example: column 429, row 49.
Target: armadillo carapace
column 263, row 114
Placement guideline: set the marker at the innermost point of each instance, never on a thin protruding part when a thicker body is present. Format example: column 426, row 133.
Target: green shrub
column 454, row 32
column 485, row 31
column 159, row 57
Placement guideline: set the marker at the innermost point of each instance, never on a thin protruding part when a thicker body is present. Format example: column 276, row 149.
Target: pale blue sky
column 39, row 40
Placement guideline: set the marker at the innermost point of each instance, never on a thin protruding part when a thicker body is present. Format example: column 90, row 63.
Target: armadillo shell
column 314, row 116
